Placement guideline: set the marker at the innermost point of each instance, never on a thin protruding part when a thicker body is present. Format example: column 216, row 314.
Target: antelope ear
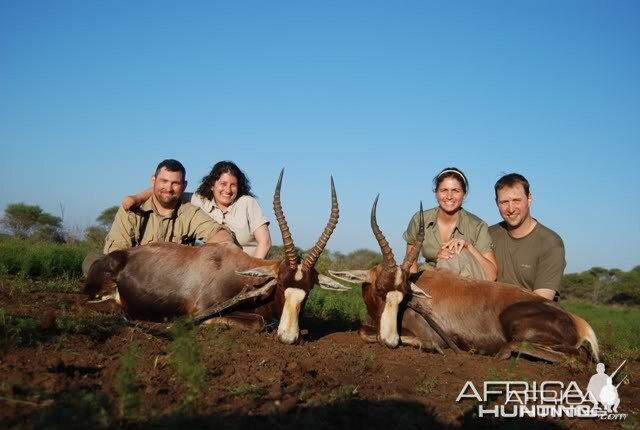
column 353, row 276
column 260, row 272
column 418, row 292
column 327, row 283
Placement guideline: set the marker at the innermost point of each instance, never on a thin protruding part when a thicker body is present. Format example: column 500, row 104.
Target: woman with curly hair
column 225, row 194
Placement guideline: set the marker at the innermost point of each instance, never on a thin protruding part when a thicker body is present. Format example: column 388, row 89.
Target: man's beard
column 167, row 202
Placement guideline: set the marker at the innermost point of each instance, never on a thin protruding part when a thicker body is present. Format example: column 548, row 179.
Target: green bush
column 23, row 257
column 346, row 306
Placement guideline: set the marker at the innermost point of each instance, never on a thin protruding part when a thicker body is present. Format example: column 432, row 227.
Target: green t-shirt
column 534, row 261
column 469, row 227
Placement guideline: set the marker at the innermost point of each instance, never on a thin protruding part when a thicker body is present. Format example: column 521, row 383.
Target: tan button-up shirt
column 185, row 225
column 243, row 217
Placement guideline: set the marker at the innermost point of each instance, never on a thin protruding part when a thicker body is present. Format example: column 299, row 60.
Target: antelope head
column 386, row 285
column 296, row 278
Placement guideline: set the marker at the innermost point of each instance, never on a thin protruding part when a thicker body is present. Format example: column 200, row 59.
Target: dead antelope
column 164, row 280
column 438, row 308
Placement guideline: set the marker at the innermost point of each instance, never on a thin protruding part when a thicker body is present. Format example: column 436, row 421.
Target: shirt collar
column 432, row 219
column 224, row 211
column 462, row 221
column 148, row 206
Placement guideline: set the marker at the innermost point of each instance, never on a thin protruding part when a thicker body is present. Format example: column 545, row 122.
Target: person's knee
column 463, row 264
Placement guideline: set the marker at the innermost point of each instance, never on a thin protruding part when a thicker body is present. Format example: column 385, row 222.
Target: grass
column 77, row 408
column 41, row 259
column 99, row 328
column 27, row 331
column 346, row 306
column 19, row 330
column 24, row 284
column 617, row 328
column 343, row 393
column 126, row 382
column 427, row 386
column 255, row 392
column 185, row 357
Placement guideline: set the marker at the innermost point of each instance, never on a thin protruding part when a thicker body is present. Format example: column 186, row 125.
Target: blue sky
column 381, row 95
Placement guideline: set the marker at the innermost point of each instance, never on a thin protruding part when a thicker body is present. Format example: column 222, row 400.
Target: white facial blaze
column 389, row 319
column 115, row 296
column 398, row 279
column 288, row 330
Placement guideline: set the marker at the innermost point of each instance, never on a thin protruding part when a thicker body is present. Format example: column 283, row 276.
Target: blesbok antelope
column 437, row 308
column 164, row 280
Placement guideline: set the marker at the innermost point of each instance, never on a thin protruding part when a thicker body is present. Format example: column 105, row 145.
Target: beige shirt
column 469, row 227
column 243, row 217
column 185, row 225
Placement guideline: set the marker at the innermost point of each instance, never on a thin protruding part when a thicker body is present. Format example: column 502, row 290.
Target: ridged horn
column 417, row 246
column 387, row 254
column 287, row 240
column 314, row 254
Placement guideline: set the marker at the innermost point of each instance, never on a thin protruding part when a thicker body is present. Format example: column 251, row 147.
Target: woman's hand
column 128, row 202
column 134, row 201
column 456, row 245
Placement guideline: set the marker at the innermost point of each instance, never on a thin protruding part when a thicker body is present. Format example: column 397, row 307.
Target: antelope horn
column 387, row 254
column 314, row 254
column 287, row 240
column 417, row 245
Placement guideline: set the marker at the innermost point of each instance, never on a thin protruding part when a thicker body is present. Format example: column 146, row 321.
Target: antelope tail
column 585, row 332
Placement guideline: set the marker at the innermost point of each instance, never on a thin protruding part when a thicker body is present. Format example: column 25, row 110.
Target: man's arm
column 204, row 228
column 121, row 235
column 550, row 270
column 136, row 200
column 547, row 293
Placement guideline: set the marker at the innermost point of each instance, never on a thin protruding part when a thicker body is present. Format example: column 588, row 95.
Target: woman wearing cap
column 454, row 238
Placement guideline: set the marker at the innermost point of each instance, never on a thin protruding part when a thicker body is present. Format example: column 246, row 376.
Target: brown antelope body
column 482, row 316
column 164, row 280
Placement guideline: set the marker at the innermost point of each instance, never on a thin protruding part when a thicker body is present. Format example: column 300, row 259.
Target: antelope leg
column 242, row 320
column 425, row 313
column 545, row 352
column 368, row 333
column 242, row 297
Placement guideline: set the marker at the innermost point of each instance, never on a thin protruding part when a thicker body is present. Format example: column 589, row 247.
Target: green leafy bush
column 22, row 257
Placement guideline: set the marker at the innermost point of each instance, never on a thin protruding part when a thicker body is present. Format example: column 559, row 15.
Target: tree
column 47, row 233
column 23, row 220
column 96, row 234
column 107, row 216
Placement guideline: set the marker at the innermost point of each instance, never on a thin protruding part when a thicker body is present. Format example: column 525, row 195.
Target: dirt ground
column 67, row 372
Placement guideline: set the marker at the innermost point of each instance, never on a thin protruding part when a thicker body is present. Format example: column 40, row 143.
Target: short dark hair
column 173, row 166
column 511, row 180
column 450, row 172
column 221, row 167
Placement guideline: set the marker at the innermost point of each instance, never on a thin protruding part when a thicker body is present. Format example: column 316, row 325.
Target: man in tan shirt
column 163, row 217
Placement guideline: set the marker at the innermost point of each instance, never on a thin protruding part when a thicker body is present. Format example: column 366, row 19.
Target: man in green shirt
column 163, row 217
column 528, row 253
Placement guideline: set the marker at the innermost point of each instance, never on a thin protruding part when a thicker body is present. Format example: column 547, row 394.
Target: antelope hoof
column 392, row 343
column 289, row 339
